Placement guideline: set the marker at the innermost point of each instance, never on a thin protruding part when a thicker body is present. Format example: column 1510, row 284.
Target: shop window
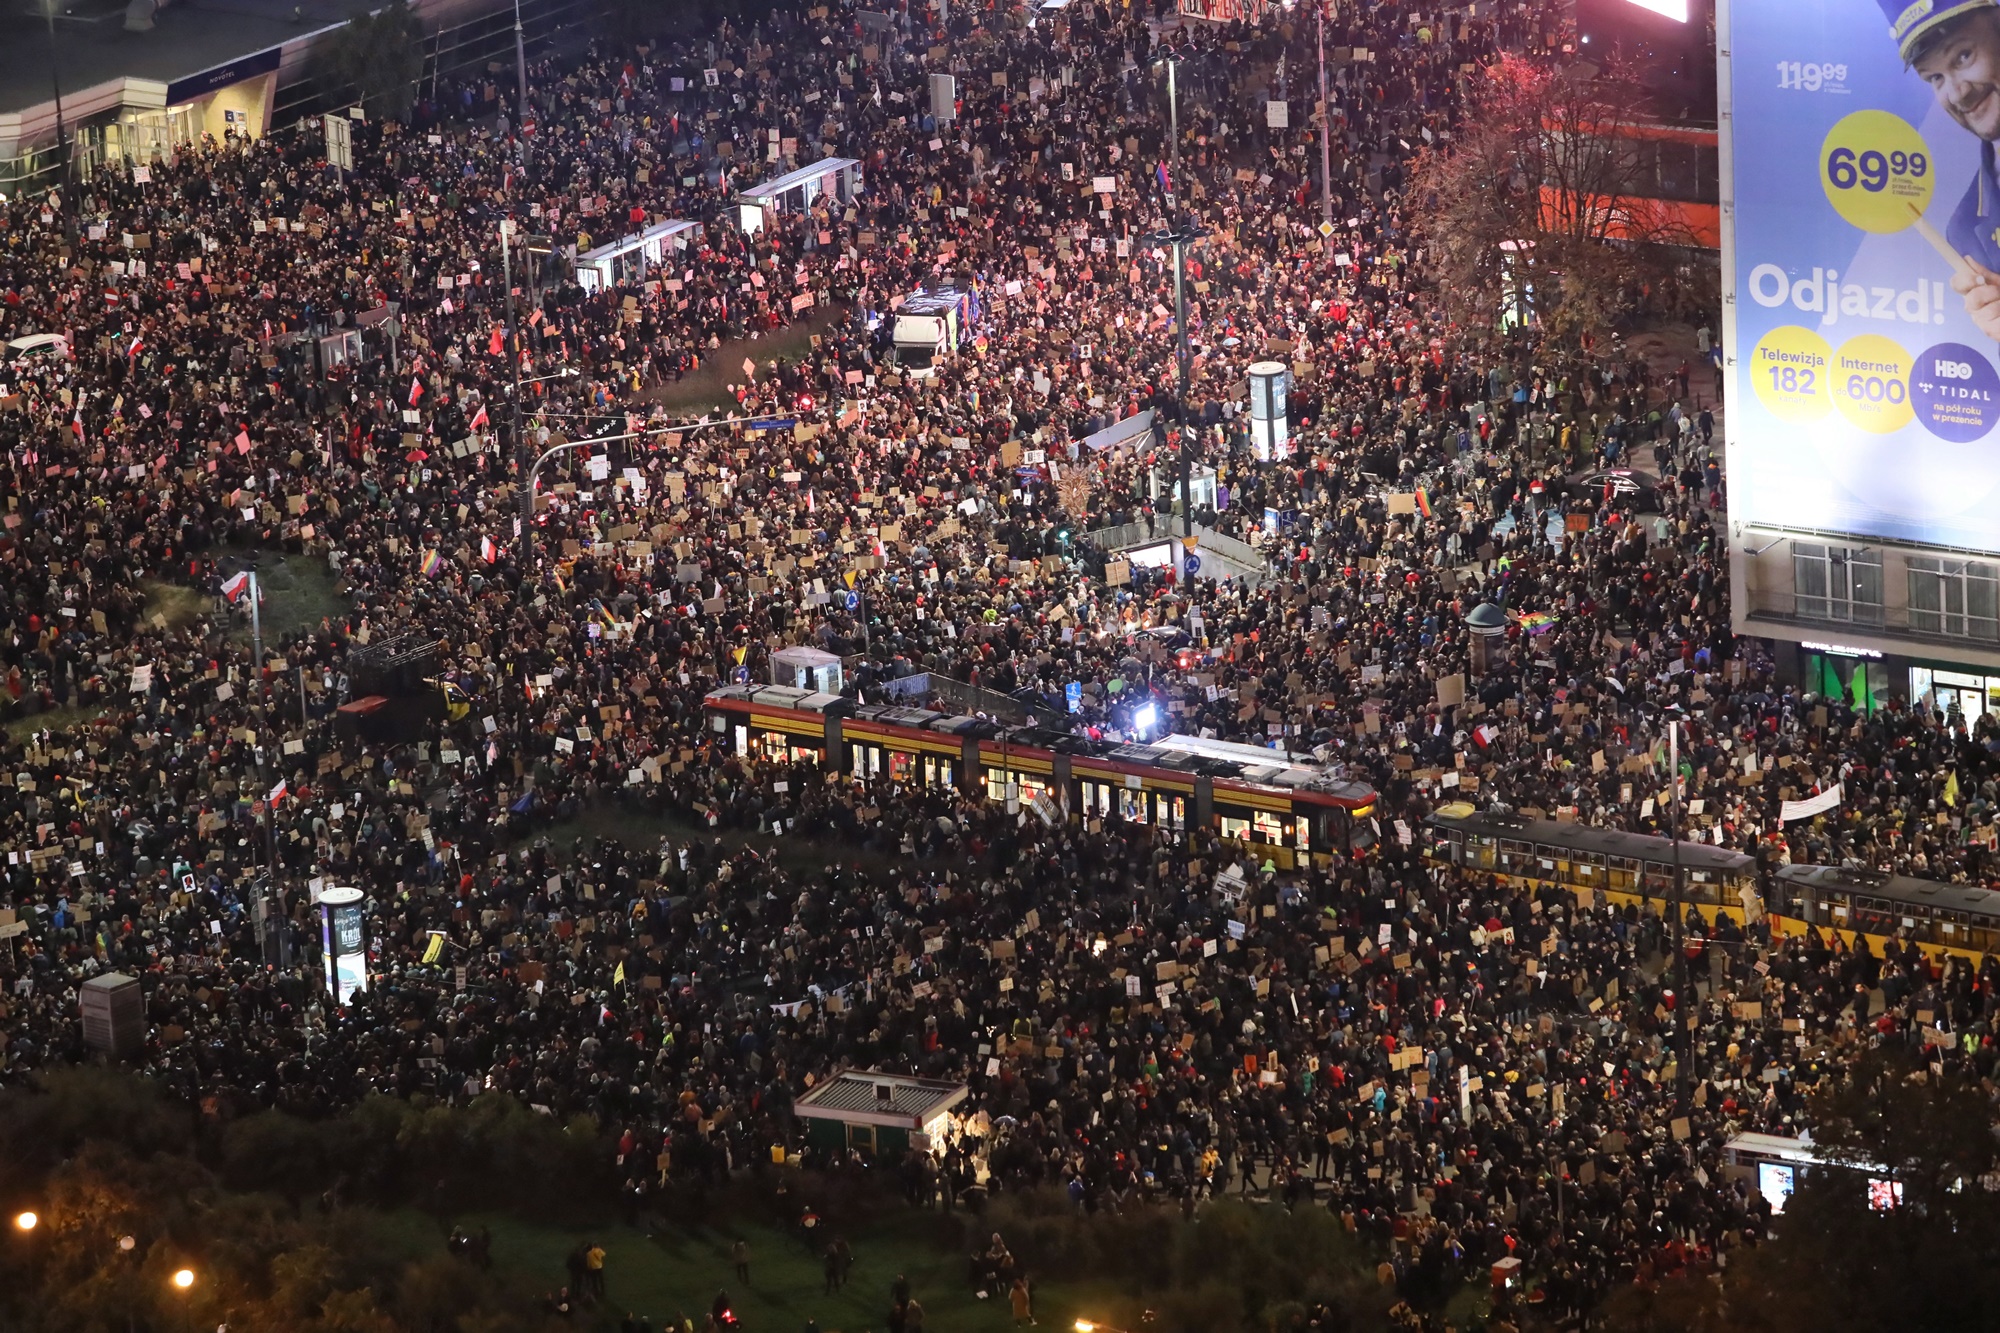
column 1960, row 598
column 1837, row 583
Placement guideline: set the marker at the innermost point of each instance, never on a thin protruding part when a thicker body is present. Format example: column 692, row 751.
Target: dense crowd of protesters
column 1463, row 1069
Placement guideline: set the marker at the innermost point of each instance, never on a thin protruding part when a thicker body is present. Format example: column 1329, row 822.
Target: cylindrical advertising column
column 1270, row 434
column 344, row 939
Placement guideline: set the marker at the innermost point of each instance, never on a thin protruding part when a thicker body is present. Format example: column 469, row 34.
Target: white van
column 38, row 347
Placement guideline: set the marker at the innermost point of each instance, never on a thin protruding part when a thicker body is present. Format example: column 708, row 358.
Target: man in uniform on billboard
column 1954, row 45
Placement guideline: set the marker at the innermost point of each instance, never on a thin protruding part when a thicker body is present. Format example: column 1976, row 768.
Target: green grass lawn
column 678, row 1271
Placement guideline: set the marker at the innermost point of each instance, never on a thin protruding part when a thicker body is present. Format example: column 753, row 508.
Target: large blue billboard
column 1863, row 254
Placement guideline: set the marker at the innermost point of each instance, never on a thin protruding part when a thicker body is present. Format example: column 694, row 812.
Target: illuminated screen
column 1865, row 386
column 1775, row 1181
column 1677, row 10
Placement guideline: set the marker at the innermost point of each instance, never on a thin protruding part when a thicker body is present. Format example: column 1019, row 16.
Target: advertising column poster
column 1861, row 243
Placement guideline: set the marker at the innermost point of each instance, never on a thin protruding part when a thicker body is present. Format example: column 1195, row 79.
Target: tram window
column 1173, row 812
column 1878, row 923
column 1588, row 867
column 937, row 771
column 1480, row 853
column 899, row 766
column 1029, row 785
column 1980, row 937
column 1623, row 873
column 1659, row 882
column 742, row 742
column 1301, row 831
column 1096, row 800
column 1238, row 829
column 1510, row 847
column 1132, row 805
column 1270, row 827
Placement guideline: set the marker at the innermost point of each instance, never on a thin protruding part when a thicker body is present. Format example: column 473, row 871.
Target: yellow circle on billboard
column 1871, row 384
column 1875, row 170
column 1789, row 369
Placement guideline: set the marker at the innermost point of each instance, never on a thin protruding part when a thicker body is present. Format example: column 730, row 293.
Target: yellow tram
column 1280, row 809
column 1633, row 868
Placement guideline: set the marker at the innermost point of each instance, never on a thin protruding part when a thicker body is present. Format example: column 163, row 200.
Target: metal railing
column 487, row 39
column 961, row 695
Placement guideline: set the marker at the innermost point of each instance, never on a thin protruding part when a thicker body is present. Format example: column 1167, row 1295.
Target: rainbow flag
column 1535, row 622
column 1423, row 502
column 432, row 563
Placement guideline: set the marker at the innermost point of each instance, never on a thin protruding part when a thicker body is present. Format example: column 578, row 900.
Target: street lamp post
column 1173, row 62
column 1684, row 1047
column 1179, row 235
column 1325, row 128
column 534, row 470
column 521, row 71
column 183, row 1282
column 513, row 325
column 55, row 79
column 1179, row 239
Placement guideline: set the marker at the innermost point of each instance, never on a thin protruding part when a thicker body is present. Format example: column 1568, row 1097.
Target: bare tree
column 1537, row 206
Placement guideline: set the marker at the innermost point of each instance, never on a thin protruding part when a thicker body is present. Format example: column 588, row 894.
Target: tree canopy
column 1533, row 206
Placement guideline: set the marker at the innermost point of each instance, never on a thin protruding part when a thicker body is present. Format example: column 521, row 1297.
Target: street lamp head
column 1182, row 235
column 128, row 1243
column 184, row 1278
column 1085, row 1326
column 26, row 1221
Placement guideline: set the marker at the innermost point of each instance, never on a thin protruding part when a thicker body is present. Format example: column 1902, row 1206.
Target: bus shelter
column 835, row 177
column 620, row 262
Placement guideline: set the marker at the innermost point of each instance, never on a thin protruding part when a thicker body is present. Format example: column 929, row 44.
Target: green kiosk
column 881, row 1115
